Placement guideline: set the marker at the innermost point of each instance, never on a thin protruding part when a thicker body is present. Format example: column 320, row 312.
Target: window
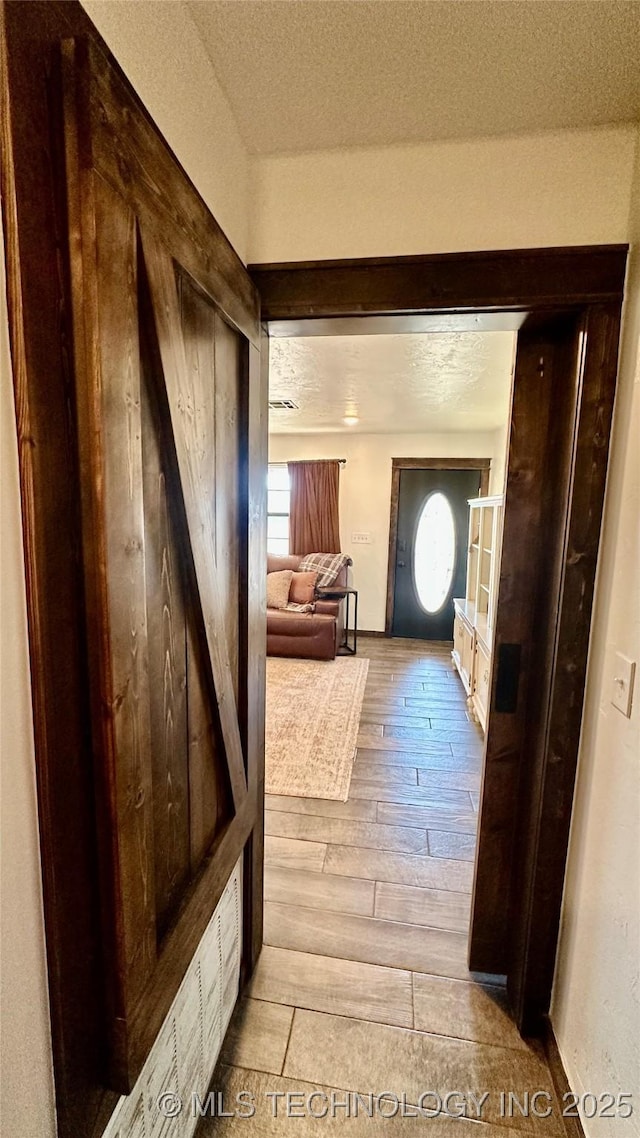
column 434, row 553
column 278, row 509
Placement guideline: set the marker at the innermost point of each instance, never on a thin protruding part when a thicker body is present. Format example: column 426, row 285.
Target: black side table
column 330, row 593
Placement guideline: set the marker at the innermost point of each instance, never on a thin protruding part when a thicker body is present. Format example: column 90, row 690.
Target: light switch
column 361, row 539
column 623, row 677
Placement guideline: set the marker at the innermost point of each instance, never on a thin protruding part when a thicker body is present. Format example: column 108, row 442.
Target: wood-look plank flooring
column 363, row 979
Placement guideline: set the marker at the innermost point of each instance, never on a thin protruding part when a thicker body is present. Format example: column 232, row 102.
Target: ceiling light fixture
column 351, row 420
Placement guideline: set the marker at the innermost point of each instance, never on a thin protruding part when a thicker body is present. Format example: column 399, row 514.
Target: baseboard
column 572, row 1124
column 367, row 632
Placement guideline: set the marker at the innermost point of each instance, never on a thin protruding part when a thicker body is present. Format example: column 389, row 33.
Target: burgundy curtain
column 313, row 517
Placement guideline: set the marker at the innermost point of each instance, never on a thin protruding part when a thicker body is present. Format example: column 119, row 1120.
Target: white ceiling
column 312, row 74
column 456, row 381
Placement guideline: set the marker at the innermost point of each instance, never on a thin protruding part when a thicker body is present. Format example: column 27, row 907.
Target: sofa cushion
column 276, row 562
column 278, row 586
column 283, row 622
column 307, row 636
column 327, row 607
column 303, row 588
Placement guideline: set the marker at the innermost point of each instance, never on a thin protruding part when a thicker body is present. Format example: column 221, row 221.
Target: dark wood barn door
column 169, row 410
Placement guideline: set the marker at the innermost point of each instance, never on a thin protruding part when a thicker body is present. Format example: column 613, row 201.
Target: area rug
column 313, row 715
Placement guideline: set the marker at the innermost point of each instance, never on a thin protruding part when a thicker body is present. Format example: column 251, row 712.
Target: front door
column 431, row 550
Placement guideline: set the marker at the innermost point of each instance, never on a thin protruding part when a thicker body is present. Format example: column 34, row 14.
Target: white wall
column 365, row 494
column 26, row 1076
column 564, row 188
column 596, row 1001
column 162, row 55
column 499, row 463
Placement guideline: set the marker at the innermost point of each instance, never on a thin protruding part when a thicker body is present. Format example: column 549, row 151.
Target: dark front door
column 431, row 550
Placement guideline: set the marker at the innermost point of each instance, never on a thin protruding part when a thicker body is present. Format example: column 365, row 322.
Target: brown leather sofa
column 305, row 635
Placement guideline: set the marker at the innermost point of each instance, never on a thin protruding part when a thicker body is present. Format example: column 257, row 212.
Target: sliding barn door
column 171, row 433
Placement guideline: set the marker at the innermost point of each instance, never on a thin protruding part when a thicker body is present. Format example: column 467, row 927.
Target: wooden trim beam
column 441, row 463
column 519, row 279
column 253, row 706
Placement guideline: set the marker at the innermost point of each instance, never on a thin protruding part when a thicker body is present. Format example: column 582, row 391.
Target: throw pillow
column 303, row 588
column 278, row 585
column 328, row 566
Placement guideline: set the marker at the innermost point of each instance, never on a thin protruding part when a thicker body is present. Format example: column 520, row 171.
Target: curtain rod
column 297, row 461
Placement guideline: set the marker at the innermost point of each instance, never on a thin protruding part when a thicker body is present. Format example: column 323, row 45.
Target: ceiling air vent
column 283, row 405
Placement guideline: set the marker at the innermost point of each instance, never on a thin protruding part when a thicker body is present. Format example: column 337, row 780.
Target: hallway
column 362, row 985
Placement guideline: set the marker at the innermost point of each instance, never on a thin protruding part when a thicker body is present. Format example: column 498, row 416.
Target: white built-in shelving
column 475, row 612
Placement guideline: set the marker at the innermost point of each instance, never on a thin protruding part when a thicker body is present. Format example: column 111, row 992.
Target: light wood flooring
column 362, row 984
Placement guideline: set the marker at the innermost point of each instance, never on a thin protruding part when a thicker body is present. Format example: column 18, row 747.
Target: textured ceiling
column 315, row 74
column 393, row 383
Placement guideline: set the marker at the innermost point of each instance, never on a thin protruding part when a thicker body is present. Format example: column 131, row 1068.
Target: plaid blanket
column 328, row 566
column 292, row 607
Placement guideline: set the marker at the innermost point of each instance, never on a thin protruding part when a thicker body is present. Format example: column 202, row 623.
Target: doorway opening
column 383, row 878
column 566, row 349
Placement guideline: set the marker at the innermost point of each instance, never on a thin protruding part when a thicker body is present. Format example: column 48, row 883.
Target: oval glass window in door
column 434, row 552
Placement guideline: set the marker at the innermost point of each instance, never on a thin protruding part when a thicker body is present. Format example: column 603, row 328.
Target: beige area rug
column 313, row 715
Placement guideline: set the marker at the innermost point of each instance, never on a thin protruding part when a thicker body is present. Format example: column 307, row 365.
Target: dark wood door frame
column 471, row 285
column 398, row 464
column 570, row 303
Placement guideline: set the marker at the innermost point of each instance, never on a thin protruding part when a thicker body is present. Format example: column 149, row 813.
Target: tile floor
column 362, row 985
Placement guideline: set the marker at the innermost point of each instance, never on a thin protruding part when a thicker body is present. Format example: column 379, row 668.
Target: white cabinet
column 475, row 612
column 463, row 646
column 481, row 680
